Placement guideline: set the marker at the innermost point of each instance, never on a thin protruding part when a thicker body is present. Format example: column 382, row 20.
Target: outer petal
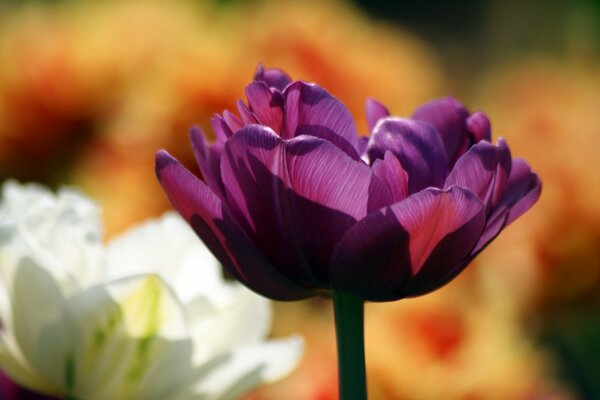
column 273, row 77
column 248, row 366
column 311, row 110
column 522, row 190
column 375, row 111
column 220, row 128
column 208, row 159
column 245, row 113
column 417, row 146
column 408, row 249
column 449, row 117
column 221, row 233
column 295, row 198
column 266, row 105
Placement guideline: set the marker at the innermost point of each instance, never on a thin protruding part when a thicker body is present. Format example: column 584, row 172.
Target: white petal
column 168, row 247
column 247, row 367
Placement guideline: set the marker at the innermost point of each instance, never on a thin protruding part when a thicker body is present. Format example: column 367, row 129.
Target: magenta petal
column 273, row 77
column 296, row 197
column 448, row 116
column 375, row 111
column 220, row 232
column 417, row 146
column 220, row 127
column 311, row 110
column 246, row 114
column 266, row 105
column 232, row 120
column 478, row 125
column 476, row 170
column 391, row 172
column 408, row 249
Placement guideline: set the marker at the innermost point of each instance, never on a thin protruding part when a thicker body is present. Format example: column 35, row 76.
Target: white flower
column 147, row 317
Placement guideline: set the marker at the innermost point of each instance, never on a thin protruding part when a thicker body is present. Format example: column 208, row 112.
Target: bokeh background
column 89, row 90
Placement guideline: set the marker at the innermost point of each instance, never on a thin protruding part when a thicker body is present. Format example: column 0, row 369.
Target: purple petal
column 232, row 120
column 417, row 146
column 266, row 105
column 296, row 197
column 213, row 223
column 409, row 248
column 522, row 190
column 391, row 172
column 208, row 159
column 478, row 125
column 476, row 170
column 448, row 117
column 310, row 110
column 375, row 111
column 246, row 114
column 273, row 77
column 220, row 127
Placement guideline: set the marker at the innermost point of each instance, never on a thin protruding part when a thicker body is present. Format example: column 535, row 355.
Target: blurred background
column 89, row 90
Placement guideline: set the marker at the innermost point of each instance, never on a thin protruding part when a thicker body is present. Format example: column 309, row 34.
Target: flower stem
column 349, row 329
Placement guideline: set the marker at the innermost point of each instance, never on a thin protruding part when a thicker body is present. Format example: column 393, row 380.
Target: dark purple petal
column 407, row 249
column 476, row 170
column 448, row 117
column 214, row 224
column 478, row 125
column 375, row 111
column 296, row 198
column 208, row 159
column 310, row 110
column 273, row 77
column 417, row 146
column 266, row 105
column 220, row 127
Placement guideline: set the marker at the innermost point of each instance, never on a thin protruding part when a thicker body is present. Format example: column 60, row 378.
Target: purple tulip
column 294, row 203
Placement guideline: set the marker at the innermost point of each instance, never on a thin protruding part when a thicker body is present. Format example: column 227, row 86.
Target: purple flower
column 294, row 203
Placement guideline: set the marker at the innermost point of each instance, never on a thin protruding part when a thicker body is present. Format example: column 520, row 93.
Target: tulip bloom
column 147, row 317
column 294, row 203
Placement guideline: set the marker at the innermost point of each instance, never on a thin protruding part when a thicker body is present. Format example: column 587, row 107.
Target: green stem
column 349, row 329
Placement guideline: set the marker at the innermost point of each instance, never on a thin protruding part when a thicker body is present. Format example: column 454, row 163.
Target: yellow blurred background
column 90, row 90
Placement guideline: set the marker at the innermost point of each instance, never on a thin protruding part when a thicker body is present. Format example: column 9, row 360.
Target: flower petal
column 220, row 127
column 266, row 105
column 245, row 113
column 375, row 111
column 390, row 171
column 478, row 125
column 311, row 110
column 295, row 198
column 273, row 77
column 448, row 116
column 247, row 366
column 215, row 225
column 409, row 248
column 417, row 146
column 476, row 170
column 208, row 158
